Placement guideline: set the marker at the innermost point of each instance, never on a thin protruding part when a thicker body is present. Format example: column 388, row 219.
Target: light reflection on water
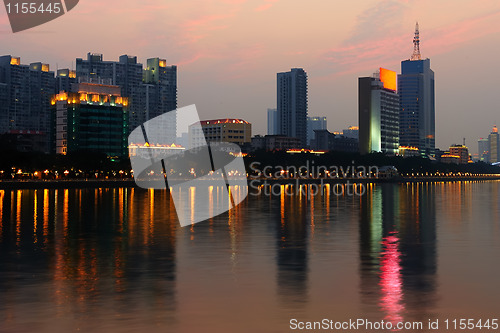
column 115, row 260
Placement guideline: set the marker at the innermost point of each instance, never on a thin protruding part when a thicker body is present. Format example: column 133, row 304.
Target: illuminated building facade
column 25, row 94
column 494, row 146
column 462, row 152
column 292, row 104
column 378, row 113
column 417, row 123
column 92, row 117
column 236, row 131
column 408, row 151
column 313, row 124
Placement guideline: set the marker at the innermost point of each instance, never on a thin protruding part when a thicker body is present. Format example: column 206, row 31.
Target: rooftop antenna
column 416, row 45
column 464, row 142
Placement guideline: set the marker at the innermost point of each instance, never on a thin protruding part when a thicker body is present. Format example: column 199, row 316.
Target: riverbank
column 98, row 183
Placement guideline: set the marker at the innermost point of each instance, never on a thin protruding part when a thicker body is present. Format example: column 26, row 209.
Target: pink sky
column 229, row 51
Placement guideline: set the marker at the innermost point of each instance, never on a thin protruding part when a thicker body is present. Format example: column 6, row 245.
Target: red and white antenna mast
column 416, row 45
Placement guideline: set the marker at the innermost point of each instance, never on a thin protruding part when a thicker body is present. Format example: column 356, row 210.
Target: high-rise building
column 151, row 91
column 25, row 112
column 484, row 150
column 91, row 117
column 417, row 102
column 160, row 82
column 494, row 145
column 314, row 123
column 292, row 104
column 272, row 122
column 378, row 113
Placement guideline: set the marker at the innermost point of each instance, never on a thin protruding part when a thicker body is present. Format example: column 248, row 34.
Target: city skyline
column 222, row 62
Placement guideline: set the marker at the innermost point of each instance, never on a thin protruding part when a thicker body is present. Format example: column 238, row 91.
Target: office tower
column 64, row 79
column 237, row 131
column 378, row 113
column 494, row 145
column 417, row 102
column 292, row 104
column 25, row 112
column 484, row 150
column 272, row 122
column 91, row 117
column 314, row 123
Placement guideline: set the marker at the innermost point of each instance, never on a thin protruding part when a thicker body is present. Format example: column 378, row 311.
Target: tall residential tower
column 292, row 104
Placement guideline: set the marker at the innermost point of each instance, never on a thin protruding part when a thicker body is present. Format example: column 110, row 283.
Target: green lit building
column 91, row 117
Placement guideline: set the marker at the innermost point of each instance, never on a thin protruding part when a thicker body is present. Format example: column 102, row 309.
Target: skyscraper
column 292, row 104
column 272, row 122
column 494, row 145
column 417, row 101
column 314, row 123
column 378, row 113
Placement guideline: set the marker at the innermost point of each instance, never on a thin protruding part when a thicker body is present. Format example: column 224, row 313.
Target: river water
column 116, row 260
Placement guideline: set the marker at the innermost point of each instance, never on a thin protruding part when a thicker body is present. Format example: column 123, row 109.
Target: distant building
column 408, row 151
column 351, row 132
column 237, row 131
column 64, row 79
column 378, row 113
column 25, row 110
column 448, row 158
column 325, row 140
column 91, row 117
column 483, row 150
column 275, row 142
column 462, row 152
column 314, row 123
column 272, row 122
column 494, row 145
column 417, row 125
column 292, row 104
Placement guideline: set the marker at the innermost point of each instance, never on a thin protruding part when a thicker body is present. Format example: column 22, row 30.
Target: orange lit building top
column 389, row 79
column 224, row 121
column 16, row 61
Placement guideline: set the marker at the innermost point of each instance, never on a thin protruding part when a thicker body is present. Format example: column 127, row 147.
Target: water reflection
column 397, row 232
column 292, row 256
column 104, row 260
